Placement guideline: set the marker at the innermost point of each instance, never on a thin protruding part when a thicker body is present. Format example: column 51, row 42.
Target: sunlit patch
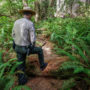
column 47, row 49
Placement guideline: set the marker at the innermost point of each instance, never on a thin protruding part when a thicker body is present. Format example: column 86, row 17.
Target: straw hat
column 28, row 9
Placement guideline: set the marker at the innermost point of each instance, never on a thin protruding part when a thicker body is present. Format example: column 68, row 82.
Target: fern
column 70, row 65
column 81, row 53
column 10, row 83
column 61, row 51
column 7, row 80
column 75, row 67
column 3, row 82
column 1, row 57
column 68, row 84
column 14, row 67
column 21, row 87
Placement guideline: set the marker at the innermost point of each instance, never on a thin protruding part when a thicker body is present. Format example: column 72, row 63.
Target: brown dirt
column 44, row 80
column 41, row 83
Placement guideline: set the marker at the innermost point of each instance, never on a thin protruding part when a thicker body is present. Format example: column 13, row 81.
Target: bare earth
column 41, row 80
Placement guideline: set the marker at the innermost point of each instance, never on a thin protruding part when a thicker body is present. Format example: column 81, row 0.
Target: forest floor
column 39, row 80
column 43, row 80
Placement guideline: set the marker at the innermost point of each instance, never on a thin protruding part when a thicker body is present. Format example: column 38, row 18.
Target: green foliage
column 10, row 7
column 7, row 67
column 5, row 32
column 7, row 74
column 6, row 82
column 78, row 67
column 68, row 84
column 71, row 37
column 1, row 57
column 30, row 3
column 21, row 87
column 63, row 31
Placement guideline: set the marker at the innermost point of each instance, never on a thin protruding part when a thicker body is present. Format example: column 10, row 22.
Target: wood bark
column 60, row 8
column 37, row 10
column 52, row 3
column 63, row 9
column 25, row 3
column 41, row 8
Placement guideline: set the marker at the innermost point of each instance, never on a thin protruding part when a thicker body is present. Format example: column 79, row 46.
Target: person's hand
column 32, row 46
column 30, row 49
column 14, row 45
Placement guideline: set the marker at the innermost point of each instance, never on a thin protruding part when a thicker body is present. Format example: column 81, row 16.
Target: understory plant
column 8, row 77
column 76, row 70
column 71, row 37
column 5, row 32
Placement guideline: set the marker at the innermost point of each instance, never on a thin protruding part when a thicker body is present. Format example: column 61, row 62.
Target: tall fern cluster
column 77, row 69
column 72, row 38
column 7, row 74
column 5, row 32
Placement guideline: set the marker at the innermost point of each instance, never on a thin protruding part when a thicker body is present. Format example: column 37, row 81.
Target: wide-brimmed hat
column 28, row 9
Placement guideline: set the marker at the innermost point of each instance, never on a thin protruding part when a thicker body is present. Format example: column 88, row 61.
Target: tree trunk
column 60, row 8
column 51, row 3
column 41, row 8
column 25, row 3
column 37, row 9
column 71, row 7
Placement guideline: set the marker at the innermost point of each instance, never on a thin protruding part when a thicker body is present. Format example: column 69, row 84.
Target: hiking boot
column 44, row 66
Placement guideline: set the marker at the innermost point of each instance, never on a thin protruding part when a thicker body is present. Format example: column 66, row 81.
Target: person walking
column 24, row 39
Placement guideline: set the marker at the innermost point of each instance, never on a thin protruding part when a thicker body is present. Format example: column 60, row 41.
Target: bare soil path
column 42, row 80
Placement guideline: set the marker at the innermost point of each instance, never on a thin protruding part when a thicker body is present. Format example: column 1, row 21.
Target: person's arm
column 32, row 34
column 13, row 31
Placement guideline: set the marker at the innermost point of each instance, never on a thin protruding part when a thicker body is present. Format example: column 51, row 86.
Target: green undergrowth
column 61, row 31
column 71, row 37
column 8, row 73
column 6, row 25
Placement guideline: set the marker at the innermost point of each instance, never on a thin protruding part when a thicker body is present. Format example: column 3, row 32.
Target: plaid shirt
column 23, row 32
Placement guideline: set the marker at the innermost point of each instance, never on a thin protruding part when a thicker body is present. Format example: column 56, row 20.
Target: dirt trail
column 39, row 81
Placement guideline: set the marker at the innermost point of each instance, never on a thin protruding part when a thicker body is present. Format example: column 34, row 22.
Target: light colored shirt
column 23, row 32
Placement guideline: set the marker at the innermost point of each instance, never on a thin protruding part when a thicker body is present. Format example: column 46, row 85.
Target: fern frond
column 10, row 83
column 81, row 54
column 16, row 64
column 60, row 51
column 21, row 88
column 1, row 57
column 70, row 65
column 68, row 84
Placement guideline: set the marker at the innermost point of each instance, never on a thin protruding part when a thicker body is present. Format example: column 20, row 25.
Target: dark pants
column 21, row 55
